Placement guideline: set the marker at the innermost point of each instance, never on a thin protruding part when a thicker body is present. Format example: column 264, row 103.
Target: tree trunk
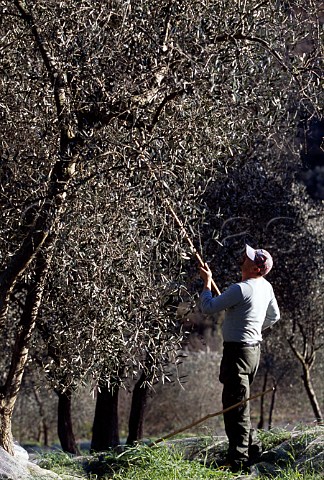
column 105, row 433
column 272, row 404
column 43, row 427
column 6, row 439
column 136, row 417
column 10, row 390
column 307, row 361
column 311, row 393
column 261, row 421
column 64, row 422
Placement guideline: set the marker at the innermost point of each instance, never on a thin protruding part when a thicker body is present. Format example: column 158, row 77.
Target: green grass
column 162, row 463
column 273, row 438
column 138, row 463
column 291, row 474
column 60, row 463
column 145, row 463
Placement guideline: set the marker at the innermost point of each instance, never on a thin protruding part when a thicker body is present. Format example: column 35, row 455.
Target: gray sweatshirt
column 251, row 306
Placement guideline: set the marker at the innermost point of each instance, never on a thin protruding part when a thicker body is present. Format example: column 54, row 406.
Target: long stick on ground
column 210, row 415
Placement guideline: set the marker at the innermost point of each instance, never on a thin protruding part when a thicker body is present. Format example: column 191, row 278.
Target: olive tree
column 153, row 100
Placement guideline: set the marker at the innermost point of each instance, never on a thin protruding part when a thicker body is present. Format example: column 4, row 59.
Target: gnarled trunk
column 64, row 422
column 306, row 377
column 136, row 417
column 307, row 359
column 105, row 431
column 6, row 439
column 10, row 390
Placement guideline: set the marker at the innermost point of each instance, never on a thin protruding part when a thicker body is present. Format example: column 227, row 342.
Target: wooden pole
column 210, row 415
column 180, row 224
column 192, row 247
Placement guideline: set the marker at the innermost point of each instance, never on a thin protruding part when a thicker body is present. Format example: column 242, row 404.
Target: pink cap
column 261, row 258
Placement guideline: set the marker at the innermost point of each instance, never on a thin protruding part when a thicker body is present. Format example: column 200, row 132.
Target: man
column 250, row 307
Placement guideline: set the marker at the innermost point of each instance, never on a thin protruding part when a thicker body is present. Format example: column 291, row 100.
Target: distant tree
column 311, row 132
column 306, row 335
column 301, row 283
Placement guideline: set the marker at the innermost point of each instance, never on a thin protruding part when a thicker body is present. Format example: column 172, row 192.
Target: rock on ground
column 18, row 467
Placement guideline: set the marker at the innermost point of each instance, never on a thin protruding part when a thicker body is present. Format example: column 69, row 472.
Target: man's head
column 258, row 261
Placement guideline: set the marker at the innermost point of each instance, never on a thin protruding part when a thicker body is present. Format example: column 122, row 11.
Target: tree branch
column 241, row 36
column 56, row 76
column 166, row 99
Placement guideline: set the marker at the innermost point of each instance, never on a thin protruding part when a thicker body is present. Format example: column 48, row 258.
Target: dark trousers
column 238, row 368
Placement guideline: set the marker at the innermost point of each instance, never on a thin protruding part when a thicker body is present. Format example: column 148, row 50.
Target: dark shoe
column 240, row 466
column 224, row 464
column 234, row 466
column 255, row 452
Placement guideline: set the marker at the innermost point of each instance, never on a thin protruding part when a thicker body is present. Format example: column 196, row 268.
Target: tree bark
column 311, row 393
column 261, row 420
column 136, row 417
column 105, row 432
column 272, row 404
column 43, row 427
column 64, row 422
column 9, row 392
column 6, row 439
column 307, row 361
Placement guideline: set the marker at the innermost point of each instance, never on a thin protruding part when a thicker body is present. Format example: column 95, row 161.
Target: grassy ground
column 165, row 463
